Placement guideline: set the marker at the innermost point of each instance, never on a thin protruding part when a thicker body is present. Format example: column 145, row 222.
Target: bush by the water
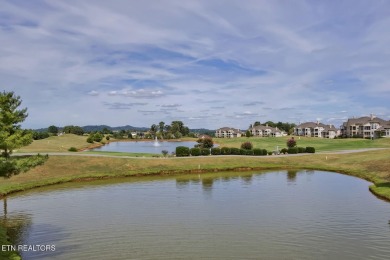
column 195, row 151
column 182, row 151
column 216, row 151
column 310, row 149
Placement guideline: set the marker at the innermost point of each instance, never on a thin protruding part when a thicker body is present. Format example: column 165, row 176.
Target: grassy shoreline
column 372, row 166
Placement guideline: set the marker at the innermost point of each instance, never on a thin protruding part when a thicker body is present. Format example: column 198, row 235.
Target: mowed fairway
column 56, row 144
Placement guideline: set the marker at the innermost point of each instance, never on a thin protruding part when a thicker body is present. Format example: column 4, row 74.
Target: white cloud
column 267, row 61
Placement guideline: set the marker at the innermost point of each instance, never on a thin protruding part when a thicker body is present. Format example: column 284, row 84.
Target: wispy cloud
column 280, row 61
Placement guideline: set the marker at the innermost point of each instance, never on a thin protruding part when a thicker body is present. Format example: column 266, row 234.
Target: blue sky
column 208, row 63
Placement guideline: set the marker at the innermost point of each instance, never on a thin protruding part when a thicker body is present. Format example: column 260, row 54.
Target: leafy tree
column 247, row 146
column 257, row 123
column 248, row 133
column 53, row 129
column 153, row 129
column 161, row 126
column 71, row 129
column 206, row 142
column 40, row 135
column 11, row 136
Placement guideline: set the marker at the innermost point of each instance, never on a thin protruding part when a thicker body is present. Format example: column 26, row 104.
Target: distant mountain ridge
column 94, row 128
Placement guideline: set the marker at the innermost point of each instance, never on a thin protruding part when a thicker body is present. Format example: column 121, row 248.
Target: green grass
column 4, row 241
column 373, row 166
column 56, row 144
column 320, row 144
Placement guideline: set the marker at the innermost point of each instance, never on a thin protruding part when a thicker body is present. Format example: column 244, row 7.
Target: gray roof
column 364, row 120
column 310, row 125
column 229, row 129
column 263, row 127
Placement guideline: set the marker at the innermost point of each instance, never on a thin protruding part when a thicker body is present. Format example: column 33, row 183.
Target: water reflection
column 16, row 224
column 207, row 180
column 291, row 176
column 202, row 216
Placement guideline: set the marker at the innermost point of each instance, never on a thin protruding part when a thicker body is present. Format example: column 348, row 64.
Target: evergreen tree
column 11, row 135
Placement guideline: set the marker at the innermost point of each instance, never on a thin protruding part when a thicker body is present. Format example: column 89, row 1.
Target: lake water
column 143, row 147
column 269, row 215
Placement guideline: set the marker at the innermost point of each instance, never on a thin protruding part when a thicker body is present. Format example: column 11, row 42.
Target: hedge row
column 295, row 150
column 182, row 151
column 185, row 151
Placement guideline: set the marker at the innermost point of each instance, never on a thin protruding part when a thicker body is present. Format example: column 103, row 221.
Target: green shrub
column 164, row 153
column 247, row 146
column 97, row 137
column 301, row 149
column 269, row 153
column 257, row 151
column 16, row 165
column 26, row 163
column 264, row 151
column 8, row 168
column 108, row 138
column 291, row 142
column 283, row 151
column 310, row 149
column 195, row 151
column 225, row 151
column 216, row 151
column 72, row 149
column 90, row 139
column 243, row 151
column 235, row 151
column 205, row 151
column 292, row 150
column 249, row 152
column 182, row 151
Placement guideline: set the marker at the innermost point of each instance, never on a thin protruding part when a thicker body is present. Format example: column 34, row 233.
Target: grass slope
column 373, row 166
column 56, row 144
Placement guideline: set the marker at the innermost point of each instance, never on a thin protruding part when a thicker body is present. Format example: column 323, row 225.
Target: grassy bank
column 11, row 255
column 373, row 166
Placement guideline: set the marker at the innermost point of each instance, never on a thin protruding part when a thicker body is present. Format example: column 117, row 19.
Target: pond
column 143, row 146
column 267, row 215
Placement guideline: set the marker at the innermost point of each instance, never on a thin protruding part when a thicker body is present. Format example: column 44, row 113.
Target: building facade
column 266, row 131
column 228, row 132
column 316, row 129
column 365, row 127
